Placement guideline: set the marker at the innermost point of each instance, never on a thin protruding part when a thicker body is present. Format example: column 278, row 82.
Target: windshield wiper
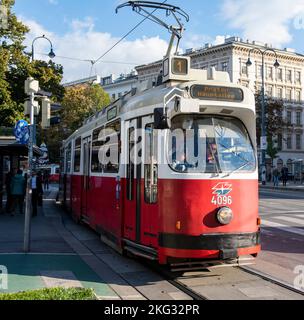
column 237, row 169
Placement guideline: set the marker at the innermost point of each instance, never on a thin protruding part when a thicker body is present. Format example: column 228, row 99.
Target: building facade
column 285, row 83
column 117, row 87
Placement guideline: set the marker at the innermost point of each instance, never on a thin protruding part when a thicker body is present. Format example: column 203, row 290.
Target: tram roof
column 146, row 95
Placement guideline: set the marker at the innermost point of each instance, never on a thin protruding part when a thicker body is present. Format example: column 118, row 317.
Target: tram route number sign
column 221, row 194
column 206, row 92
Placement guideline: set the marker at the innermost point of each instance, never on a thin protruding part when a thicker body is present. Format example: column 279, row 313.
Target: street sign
column 21, row 132
column 264, row 143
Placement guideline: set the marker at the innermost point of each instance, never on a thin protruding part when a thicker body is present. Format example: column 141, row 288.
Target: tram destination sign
column 206, row 92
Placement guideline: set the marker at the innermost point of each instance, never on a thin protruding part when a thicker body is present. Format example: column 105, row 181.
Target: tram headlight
column 224, row 215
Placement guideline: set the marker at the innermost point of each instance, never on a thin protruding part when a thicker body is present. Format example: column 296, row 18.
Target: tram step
column 140, row 253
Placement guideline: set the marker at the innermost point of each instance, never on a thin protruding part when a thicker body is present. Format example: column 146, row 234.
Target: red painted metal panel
column 190, row 202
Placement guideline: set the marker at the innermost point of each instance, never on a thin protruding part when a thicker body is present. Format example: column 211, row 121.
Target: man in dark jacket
column 9, row 197
column 17, row 191
column 36, row 191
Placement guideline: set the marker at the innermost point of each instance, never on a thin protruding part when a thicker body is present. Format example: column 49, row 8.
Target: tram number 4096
column 221, row 200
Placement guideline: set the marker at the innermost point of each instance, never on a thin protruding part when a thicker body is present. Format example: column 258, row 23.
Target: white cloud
column 199, row 40
column 82, row 41
column 268, row 21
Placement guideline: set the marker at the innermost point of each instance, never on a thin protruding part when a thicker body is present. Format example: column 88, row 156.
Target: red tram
column 184, row 187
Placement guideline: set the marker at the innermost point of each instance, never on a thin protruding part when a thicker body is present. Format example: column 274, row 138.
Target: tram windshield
column 210, row 144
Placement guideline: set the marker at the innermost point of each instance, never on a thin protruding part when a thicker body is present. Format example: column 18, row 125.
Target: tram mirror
column 160, row 119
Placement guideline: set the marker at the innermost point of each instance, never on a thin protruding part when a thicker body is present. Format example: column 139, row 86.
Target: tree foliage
column 15, row 67
column 80, row 102
column 273, row 116
column 274, row 122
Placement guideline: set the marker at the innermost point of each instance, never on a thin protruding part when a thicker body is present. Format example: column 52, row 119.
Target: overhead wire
column 121, row 39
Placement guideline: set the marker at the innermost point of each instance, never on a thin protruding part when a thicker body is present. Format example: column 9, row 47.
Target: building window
column 269, row 72
column 298, row 96
column 289, row 142
column 299, row 118
column 289, row 117
column 288, row 75
column 280, row 74
column 280, row 93
column 269, row 91
column 260, row 71
column 298, row 142
column 298, row 77
column 113, row 96
column 224, row 66
column 244, row 69
column 288, row 94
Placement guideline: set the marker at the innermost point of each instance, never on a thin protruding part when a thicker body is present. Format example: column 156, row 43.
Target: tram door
column 141, row 183
column 86, row 147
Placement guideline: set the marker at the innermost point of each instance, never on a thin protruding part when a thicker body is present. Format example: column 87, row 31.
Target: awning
column 10, row 147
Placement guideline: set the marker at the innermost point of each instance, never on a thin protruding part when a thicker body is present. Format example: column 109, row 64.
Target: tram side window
column 112, row 149
column 130, row 163
column 151, row 168
column 97, row 143
column 68, row 155
column 77, row 155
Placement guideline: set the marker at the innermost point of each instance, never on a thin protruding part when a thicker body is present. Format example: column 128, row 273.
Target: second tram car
column 185, row 184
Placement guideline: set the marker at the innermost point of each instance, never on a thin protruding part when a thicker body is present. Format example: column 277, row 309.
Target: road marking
column 291, row 219
column 282, row 227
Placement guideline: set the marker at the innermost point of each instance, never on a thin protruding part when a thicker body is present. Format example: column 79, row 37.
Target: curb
column 281, row 189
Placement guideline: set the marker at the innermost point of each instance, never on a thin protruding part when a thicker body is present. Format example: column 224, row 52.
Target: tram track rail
column 174, row 278
column 190, row 291
column 271, row 279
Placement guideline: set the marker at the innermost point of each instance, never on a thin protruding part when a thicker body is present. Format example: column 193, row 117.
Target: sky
column 87, row 29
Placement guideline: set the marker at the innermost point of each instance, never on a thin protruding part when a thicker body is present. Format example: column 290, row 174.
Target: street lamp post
column 51, row 53
column 263, row 142
column 31, row 87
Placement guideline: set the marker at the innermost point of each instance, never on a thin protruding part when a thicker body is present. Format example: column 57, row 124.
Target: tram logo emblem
column 222, row 189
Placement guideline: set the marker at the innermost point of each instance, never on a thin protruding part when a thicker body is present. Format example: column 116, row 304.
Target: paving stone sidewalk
column 52, row 262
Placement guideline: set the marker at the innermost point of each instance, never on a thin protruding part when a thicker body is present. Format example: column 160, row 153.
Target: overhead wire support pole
column 176, row 31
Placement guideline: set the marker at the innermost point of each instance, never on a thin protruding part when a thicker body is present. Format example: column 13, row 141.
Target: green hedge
column 6, row 131
column 51, row 294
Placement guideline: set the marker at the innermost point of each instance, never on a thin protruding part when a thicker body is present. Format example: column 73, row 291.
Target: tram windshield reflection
column 210, row 145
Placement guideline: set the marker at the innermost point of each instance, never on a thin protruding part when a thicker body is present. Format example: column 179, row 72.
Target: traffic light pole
column 28, row 207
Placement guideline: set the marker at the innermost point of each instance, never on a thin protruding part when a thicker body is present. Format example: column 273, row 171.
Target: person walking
column 275, row 175
column 9, row 197
column 37, row 191
column 17, row 191
column 46, row 179
column 263, row 176
column 284, row 175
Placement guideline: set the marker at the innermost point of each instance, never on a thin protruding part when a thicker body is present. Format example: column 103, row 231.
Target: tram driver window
column 210, row 145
